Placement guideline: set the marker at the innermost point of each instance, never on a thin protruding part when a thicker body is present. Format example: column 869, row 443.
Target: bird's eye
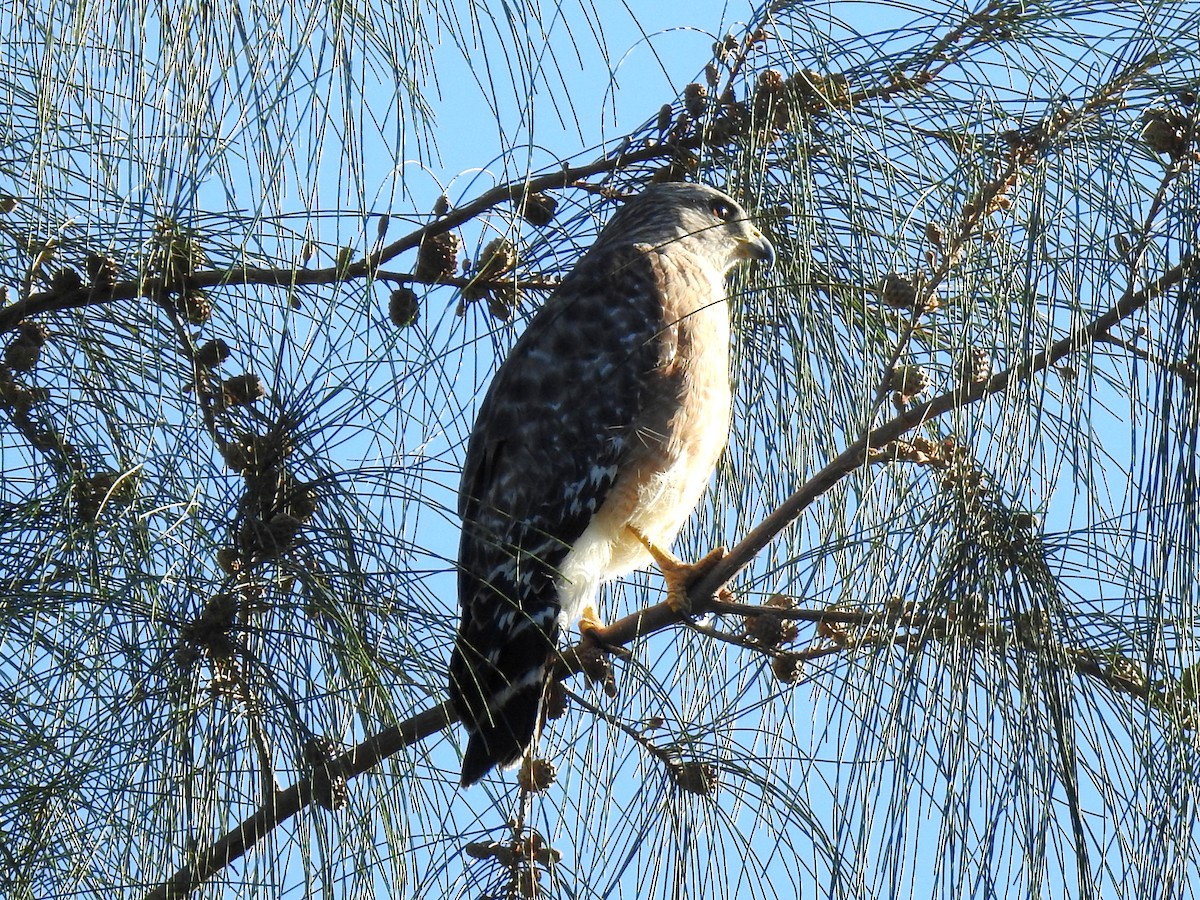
column 722, row 210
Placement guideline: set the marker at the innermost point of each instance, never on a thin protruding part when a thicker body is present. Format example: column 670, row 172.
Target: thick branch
column 286, row 804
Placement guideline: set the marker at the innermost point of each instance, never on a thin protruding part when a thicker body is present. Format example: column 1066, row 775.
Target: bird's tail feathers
column 498, row 692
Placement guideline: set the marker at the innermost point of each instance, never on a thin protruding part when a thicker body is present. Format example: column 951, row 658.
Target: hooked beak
column 756, row 246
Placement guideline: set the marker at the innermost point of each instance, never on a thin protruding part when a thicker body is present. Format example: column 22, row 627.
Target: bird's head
column 698, row 218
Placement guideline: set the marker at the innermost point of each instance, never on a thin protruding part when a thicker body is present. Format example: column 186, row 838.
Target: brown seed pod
column 284, row 529
column 908, row 380
column 194, row 306
column 268, row 540
column 301, row 501
column 804, row 86
column 502, row 301
column 497, row 309
column 695, row 99
column 220, row 611
column 771, row 102
column 695, row 777
column 683, row 122
column 596, row 668
column 765, row 630
column 975, row 366
column 212, row 353
column 265, row 488
column 176, row 253
column 732, row 121
column 102, row 270
column 539, row 209
column 32, row 332
column 536, row 775
column 770, row 81
column 556, row 700
column 666, row 114
column 1160, row 137
column 242, row 390
column 21, row 355
column 92, row 492
column 403, row 307
column 186, row 655
column 781, row 601
column 498, row 256
column 1166, row 131
column 897, row 292
column 788, row 667
column 65, row 281
column 7, row 204
column 211, row 631
column 768, row 630
column 237, row 457
column 229, row 560
column 437, row 257
column 17, row 397
column 260, row 454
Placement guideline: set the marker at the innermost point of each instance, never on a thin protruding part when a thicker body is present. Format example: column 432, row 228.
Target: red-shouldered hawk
column 593, row 445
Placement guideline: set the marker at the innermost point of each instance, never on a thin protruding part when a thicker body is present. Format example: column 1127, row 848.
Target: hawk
column 592, row 447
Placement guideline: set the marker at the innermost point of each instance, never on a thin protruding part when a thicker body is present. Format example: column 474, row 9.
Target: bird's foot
column 590, row 623
column 593, row 632
column 595, row 649
column 679, row 575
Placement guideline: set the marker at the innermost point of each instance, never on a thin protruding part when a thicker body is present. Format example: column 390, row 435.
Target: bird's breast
column 673, row 445
column 676, row 463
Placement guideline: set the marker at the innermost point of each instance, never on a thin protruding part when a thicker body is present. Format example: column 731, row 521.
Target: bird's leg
column 678, row 575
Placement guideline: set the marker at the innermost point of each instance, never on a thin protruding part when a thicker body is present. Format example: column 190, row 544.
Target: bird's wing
column 557, row 423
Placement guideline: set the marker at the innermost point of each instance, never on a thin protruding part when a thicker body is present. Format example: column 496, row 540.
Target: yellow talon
column 676, row 573
column 590, row 621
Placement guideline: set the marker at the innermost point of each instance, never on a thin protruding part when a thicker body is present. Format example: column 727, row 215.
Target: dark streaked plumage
column 610, row 411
